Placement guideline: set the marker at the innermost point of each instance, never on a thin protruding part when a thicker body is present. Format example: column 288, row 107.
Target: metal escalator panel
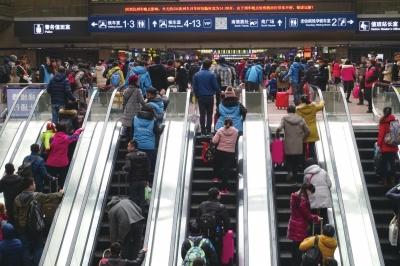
column 165, row 205
column 66, row 221
column 361, row 229
column 261, row 234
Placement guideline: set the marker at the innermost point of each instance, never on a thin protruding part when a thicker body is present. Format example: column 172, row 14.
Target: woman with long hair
column 387, row 167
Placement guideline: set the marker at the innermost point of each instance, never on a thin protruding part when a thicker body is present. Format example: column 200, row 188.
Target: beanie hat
column 133, row 79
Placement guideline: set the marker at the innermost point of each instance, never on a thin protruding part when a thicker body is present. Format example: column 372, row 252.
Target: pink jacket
column 336, row 70
column 226, row 139
column 300, row 217
column 348, row 72
column 58, row 155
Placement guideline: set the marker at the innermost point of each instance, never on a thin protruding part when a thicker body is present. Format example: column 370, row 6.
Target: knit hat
column 230, row 94
column 133, row 79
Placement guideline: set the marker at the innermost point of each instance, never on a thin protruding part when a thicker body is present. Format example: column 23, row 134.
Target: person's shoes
column 369, row 112
column 216, row 180
column 360, row 103
column 348, row 101
column 224, row 191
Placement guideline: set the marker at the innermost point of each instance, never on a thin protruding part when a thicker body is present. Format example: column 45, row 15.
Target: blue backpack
column 115, row 79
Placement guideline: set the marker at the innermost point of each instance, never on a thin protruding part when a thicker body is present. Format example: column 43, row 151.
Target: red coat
column 384, row 128
column 300, row 217
column 58, row 155
column 336, row 70
column 370, row 77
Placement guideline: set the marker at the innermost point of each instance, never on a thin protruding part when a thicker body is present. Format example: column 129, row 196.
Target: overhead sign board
column 40, row 29
column 292, row 22
column 376, row 25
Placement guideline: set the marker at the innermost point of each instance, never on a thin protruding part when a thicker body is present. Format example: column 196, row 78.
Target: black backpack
column 26, row 169
column 35, row 223
column 139, row 166
column 208, row 222
column 313, row 256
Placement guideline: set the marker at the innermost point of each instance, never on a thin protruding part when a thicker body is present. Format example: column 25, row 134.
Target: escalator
column 366, row 136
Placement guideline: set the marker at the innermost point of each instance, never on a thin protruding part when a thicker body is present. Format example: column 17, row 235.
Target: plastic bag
column 393, row 232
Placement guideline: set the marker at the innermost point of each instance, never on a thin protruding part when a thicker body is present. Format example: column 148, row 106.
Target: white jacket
column 320, row 179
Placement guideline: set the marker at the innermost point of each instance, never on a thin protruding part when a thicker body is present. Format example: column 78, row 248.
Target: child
column 46, row 137
column 273, row 87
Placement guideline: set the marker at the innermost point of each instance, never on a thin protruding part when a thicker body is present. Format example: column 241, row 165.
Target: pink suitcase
column 228, row 246
column 356, row 91
column 277, row 151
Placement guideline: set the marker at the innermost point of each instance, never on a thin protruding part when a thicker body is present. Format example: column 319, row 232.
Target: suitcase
column 228, row 248
column 282, row 100
column 277, row 152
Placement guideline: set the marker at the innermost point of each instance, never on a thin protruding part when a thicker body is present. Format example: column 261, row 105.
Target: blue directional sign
column 382, row 25
column 221, row 23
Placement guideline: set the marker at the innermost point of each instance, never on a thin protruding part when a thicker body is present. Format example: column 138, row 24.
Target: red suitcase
column 282, row 99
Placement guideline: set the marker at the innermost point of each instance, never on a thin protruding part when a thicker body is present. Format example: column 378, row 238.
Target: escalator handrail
column 374, row 111
column 364, row 188
column 28, row 120
column 12, row 110
column 92, row 171
column 349, row 258
column 68, row 177
column 270, row 184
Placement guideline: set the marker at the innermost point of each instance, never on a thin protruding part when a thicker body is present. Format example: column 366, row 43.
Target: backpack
column 195, row 252
column 207, row 152
column 225, row 75
column 313, row 256
column 281, row 76
column 35, row 223
column 393, row 136
column 26, row 169
column 115, row 79
column 208, row 222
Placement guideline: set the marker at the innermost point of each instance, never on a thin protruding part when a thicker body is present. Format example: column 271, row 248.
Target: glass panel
column 385, row 96
column 177, row 104
column 254, row 102
column 334, row 105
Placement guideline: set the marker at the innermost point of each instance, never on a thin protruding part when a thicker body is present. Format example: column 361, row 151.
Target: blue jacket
column 255, row 74
column 273, row 86
column 144, row 131
column 230, row 110
column 205, row 83
column 144, row 78
column 11, row 249
column 59, row 90
column 158, row 106
column 293, row 73
column 39, row 170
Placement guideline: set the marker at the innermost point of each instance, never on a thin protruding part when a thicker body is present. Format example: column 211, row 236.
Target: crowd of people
column 214, row 83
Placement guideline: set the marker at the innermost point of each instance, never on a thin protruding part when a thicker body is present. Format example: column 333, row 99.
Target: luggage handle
column 321, row 225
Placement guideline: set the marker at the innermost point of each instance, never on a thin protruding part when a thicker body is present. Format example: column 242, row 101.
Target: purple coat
column 300, row 217
column 58, row 155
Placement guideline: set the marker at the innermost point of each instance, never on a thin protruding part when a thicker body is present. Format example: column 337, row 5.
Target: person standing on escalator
column 371, row 76
column 389, row 152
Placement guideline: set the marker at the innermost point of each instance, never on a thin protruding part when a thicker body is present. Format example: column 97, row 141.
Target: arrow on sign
column 350, row 21
column 94, row 24
column 154, row 23
column 279, row 22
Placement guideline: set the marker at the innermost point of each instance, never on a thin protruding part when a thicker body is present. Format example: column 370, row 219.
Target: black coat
column 60, row 90
column 216, row 208
column 158, row 75
column 9, row 185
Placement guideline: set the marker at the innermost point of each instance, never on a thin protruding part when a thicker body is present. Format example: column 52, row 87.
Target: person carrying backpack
column 212, row 218
column 29, row 219
column 9, row 185
column 198, row 247
column 115, row 76
column 326, row 244
column 388, row 141
column 295, row 75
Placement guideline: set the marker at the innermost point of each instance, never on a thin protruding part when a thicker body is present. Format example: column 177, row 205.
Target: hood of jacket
column 8, row 231
column 25, row 197
column 139, row 70
column 114, row 201
column 305, row 109
column 327, row 241
column 230, row 101
column 60, row 77
column 312, row 169
column 293, row 119
column 146, row 115
column 228, row 132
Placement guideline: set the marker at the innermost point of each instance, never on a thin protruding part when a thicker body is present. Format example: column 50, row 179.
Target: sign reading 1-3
column 234, row 22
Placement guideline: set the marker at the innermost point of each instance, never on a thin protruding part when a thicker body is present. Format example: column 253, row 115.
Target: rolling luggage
column 277, row 152
column 282, row 100
column 228, row 248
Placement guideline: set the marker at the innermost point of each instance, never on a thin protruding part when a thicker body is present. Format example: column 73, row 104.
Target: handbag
column 208, row 152
column 393, row 231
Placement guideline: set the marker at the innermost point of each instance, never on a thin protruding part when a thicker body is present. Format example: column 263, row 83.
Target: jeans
column 252, row 86
column 33, row 249
column 224, row 163
column 206, row 111
column 296, row 92
column 152, row 157
column 55, row 108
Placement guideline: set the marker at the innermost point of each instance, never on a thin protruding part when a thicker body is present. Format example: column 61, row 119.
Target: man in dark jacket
column 126, row 225
column 9, row 186
column 33, row 245
column 115, row 259
column 158, row 74
column 182, row 76
column 10, row 248
column 323, row 75
column 196, row 238
column 137, row 167
column 205, row 86
column 212, row 217
column 39, row 170
column 59, row 90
